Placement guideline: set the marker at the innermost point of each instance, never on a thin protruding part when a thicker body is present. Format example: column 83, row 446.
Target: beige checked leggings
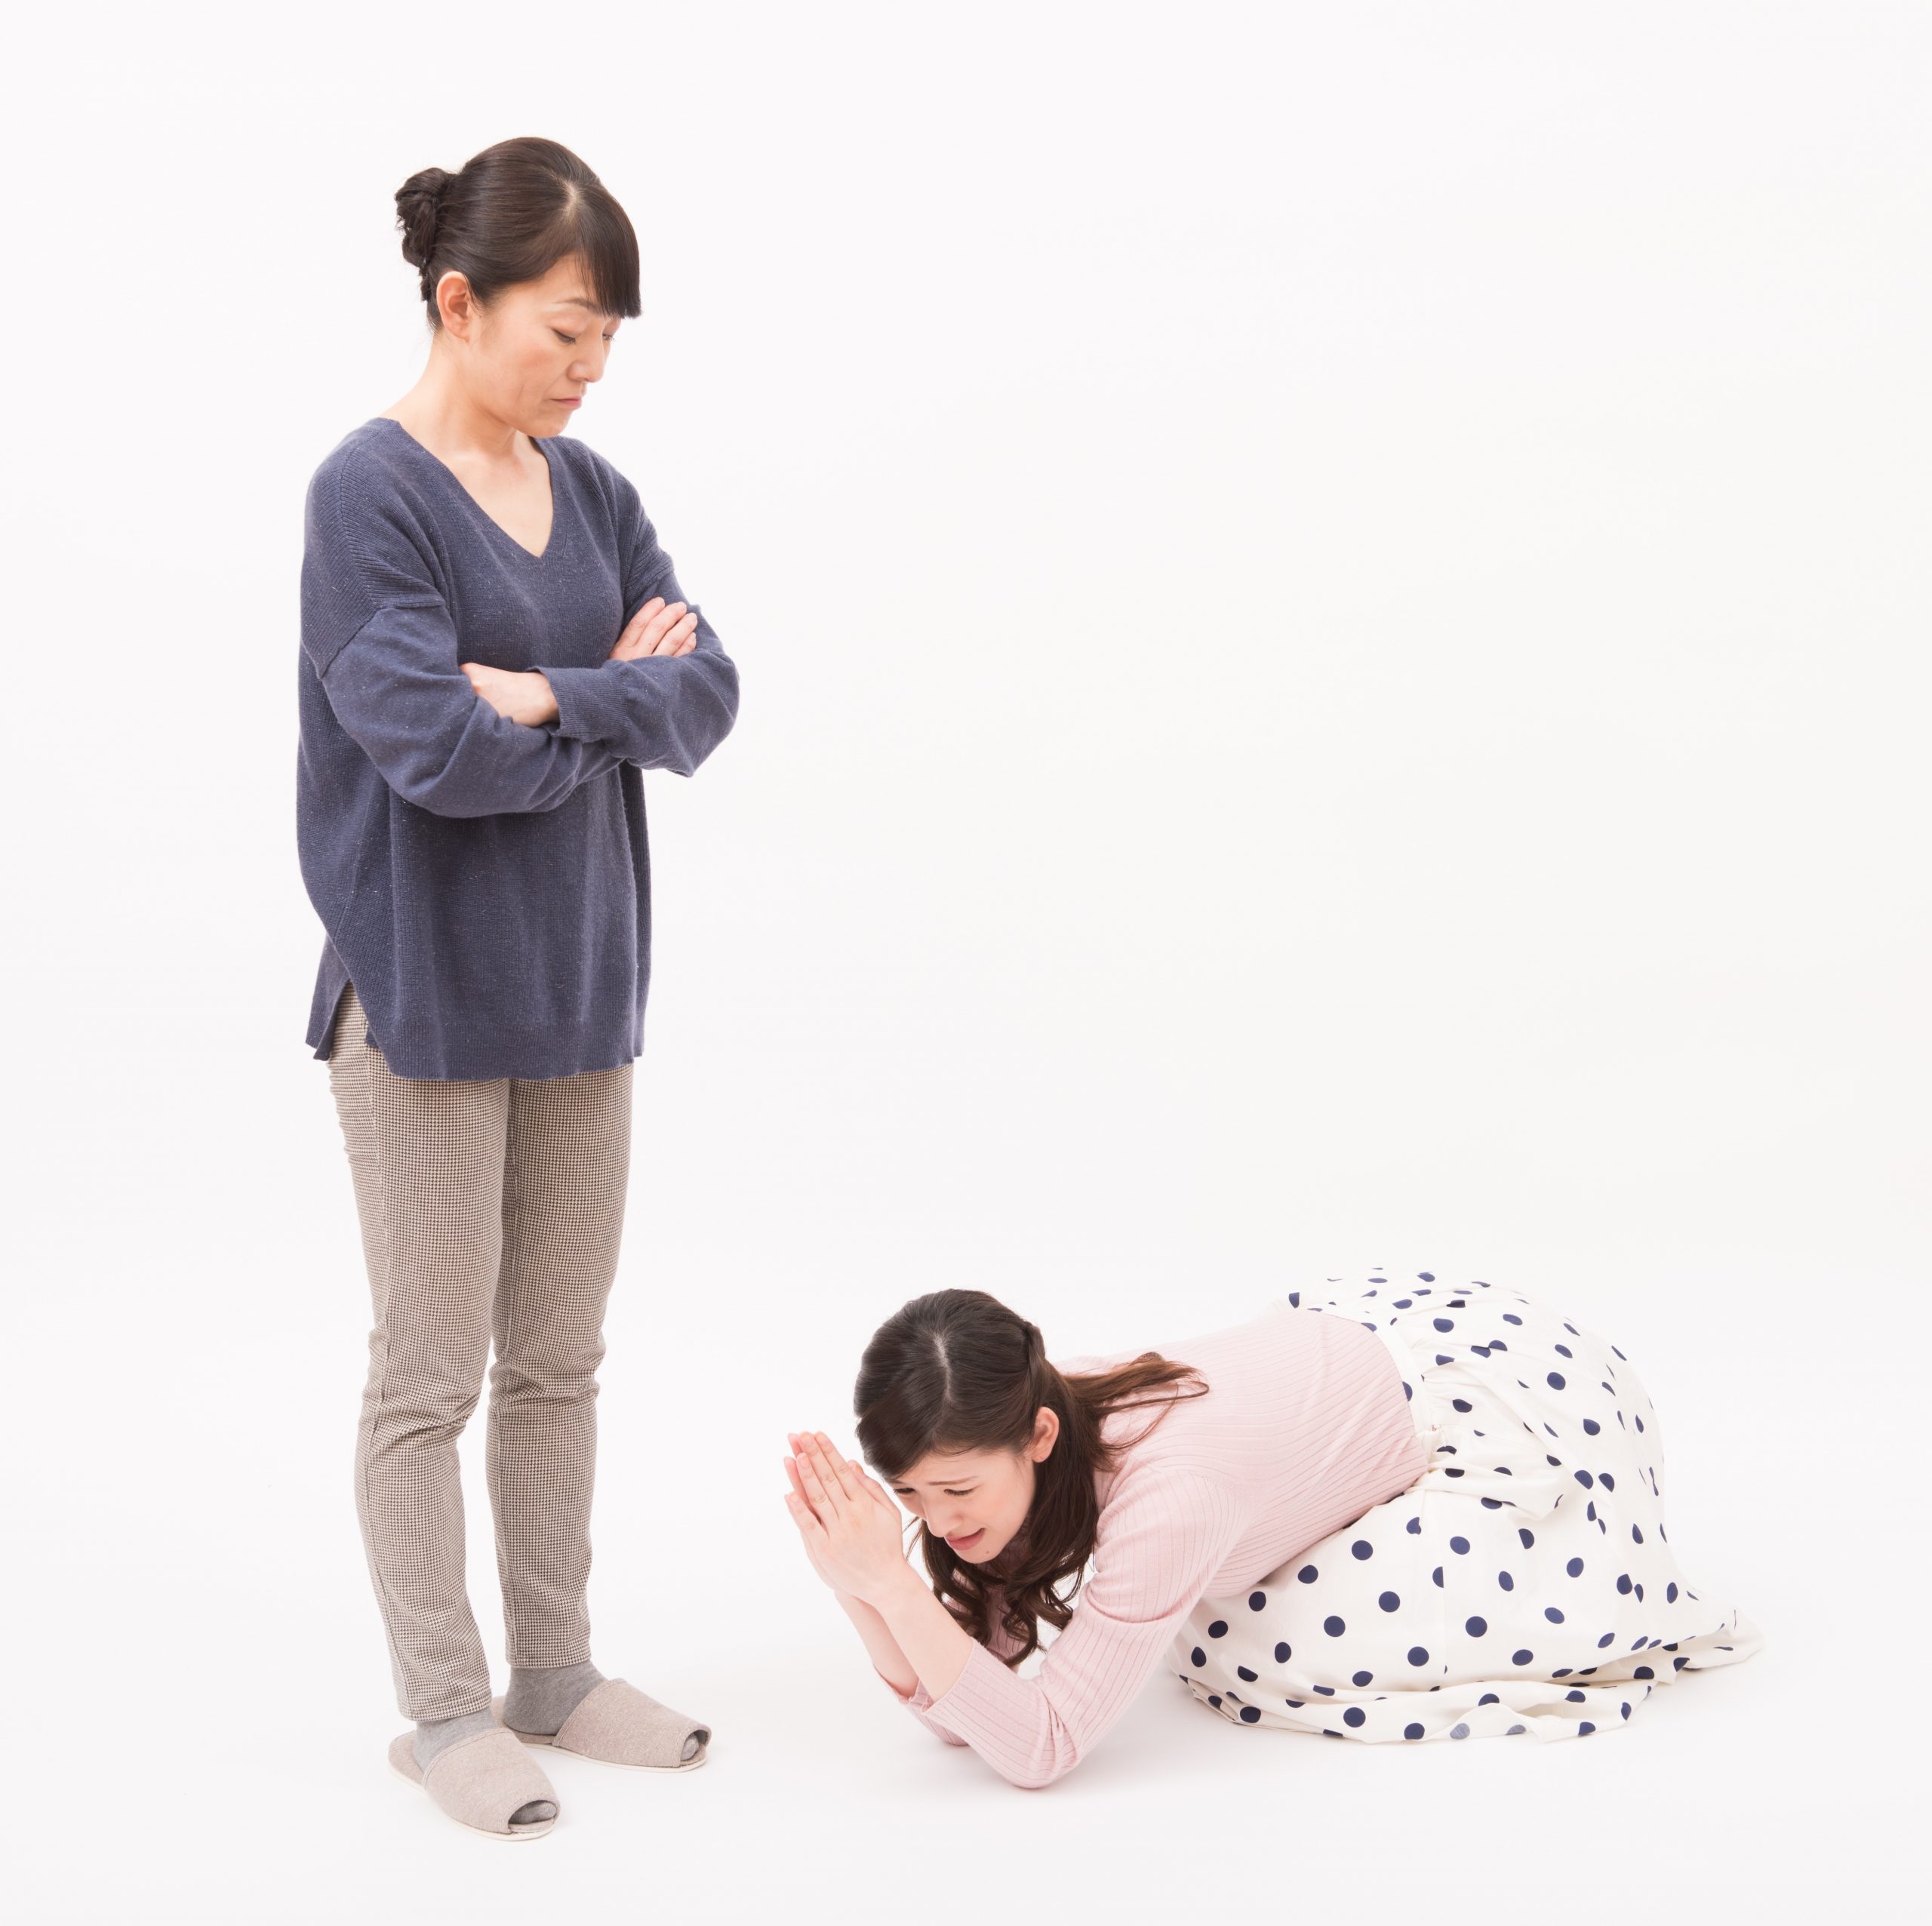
column 492, row 1212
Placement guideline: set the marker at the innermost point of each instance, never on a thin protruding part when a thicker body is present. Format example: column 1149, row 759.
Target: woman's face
column 978, row 1500
column 534, row 350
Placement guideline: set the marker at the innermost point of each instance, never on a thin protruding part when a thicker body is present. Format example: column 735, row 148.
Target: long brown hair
column 508, row 215
column 956, row 1371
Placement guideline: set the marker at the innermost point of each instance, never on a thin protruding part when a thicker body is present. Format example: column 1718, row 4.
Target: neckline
column 528, row 555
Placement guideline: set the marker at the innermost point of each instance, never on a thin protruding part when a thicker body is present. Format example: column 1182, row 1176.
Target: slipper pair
column 482, row 1780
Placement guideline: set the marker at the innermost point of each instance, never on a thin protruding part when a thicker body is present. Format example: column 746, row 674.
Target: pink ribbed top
column 1305, row 1427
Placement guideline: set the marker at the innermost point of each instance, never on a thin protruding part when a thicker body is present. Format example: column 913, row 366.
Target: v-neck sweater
column 1305, row 1425
column 485, row 885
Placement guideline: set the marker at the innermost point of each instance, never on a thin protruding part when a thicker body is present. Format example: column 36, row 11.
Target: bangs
column 599, row 231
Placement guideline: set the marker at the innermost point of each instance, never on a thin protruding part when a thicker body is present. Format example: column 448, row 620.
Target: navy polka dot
column 1487, row 1410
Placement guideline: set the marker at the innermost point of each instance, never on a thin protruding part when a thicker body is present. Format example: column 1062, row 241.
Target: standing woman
column 494, row 647
column 1411, row 1510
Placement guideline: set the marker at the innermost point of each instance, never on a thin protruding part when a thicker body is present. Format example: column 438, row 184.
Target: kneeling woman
column 1414, row 1510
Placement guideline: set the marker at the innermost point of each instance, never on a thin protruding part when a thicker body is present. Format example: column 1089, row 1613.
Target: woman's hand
column 523, row 695
column 850, row 1523
column 657, row 630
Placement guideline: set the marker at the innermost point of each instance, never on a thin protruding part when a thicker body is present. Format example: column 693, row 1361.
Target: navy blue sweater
column 484, row 885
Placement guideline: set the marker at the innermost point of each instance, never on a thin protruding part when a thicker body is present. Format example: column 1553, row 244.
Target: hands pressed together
column 851, row 1525
column 524, row 696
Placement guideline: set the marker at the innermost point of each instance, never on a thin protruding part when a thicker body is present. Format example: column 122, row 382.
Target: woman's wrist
column 888, row 1661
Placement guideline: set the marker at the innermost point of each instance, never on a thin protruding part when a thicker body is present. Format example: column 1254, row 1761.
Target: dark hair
column 509, row 214
column 956, row 1371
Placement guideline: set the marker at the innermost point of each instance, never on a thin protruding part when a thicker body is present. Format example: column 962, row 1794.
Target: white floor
column 220, row 1759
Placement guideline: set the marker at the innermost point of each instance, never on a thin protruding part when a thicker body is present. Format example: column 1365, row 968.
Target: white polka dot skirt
column 1523, row 1585
column 491, row 1210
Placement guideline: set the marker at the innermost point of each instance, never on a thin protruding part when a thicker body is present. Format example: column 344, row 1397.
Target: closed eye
column 572, row 339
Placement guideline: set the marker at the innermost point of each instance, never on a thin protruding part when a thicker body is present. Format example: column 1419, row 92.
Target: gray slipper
column 617, row 1723
column 480, row 1781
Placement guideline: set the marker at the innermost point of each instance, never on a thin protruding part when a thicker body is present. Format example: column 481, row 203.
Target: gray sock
column 540, row 1699
column 434, row 1735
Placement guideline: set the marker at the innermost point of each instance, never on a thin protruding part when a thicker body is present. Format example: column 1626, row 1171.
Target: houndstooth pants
column 491, row 1211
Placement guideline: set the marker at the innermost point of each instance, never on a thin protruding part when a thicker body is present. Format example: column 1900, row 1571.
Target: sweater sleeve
column 659, row 712
column 381, row 639
column 1163, row 1535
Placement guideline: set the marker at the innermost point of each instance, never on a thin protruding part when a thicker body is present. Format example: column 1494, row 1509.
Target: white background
column 1331, row 603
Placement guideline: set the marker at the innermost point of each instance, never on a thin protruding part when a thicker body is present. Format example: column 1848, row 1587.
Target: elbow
column 721, row 722
column 1043, row 1769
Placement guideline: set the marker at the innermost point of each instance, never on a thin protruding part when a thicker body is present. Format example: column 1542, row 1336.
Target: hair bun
column 419, row 203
